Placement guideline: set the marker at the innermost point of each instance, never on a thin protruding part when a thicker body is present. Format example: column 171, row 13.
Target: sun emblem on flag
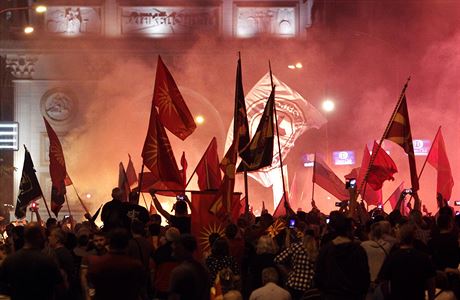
column 206, row 231
column 152, row 149
column 164, row 100
column 276, row 228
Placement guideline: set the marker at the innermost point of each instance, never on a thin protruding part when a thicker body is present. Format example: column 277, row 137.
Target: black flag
column 29, row 188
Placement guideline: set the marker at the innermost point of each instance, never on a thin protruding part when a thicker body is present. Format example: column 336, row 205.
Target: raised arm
column 158, row 206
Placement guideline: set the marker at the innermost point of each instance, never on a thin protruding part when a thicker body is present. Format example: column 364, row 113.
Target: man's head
column 99, row 240
column 269, row 275
column 155, row 219
column 180, row 207
column 341, row 224
column 184, row 247
column 56, row 238
column 407, row 234
column 118, row 239
column 117, row 194
column 34, row 236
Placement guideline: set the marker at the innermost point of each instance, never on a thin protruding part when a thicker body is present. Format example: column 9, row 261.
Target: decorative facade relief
column 274, row 21
column 73, row 21
column 169, row 21
column 21, row 66
column 59, row 105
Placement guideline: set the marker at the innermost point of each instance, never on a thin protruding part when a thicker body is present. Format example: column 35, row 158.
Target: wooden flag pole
column 313, row 180
column 374, row 154
column 79, row 199
column 246, row 193
column 286, row 201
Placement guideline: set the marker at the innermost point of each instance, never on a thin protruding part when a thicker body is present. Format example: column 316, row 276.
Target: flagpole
column 70, row 212
column 46, row 205
column 246, row 192
column 371, row 162
column 140, row 182
column 143, row 197
column 196, row 167
column 313, row 180
column 79, row 198
column 286, row 201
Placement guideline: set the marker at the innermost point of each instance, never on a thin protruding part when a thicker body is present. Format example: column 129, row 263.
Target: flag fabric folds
column 58, row 170
column 437, row 157
column 399, row 132
column 394, row 197
column 123, row 184
column 283, row 208
column 173, row 112
column 131, row 174
column 159, row 158
column 368, row 194
column 326, row 178
column 207, row 170
column 382, row 168
column 29, row 188
column 223, row 204
column 295, row 116
column 259, row 152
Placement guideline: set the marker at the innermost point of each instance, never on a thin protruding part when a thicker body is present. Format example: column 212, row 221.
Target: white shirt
column 270, row 291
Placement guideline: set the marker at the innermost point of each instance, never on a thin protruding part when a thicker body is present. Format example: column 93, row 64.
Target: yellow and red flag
column 173, row 112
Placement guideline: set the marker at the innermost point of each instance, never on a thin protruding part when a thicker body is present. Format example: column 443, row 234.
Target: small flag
column 326, row 178
column 207, row 170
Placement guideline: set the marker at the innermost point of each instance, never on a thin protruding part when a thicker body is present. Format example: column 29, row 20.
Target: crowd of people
column 308, row 255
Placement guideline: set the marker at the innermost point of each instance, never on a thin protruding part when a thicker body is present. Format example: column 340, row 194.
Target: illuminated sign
column 255, row 21
column 343, row 158
column 73, row 20
column 421, row 147
column 168, row 21
column 308, row 160
column 9, row 135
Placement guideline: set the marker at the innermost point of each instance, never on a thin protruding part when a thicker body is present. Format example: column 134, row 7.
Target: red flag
column 159, row 158
column 184, row 165
column 399, row 132
column 368, row 194
column 437, row 157
column 382, row 168
column 204, row 223
column 238, row 206
column 326, row 178
column 174, row 113
column 123, row 183
column 394, row 197
column 131, row 175
column 209, row 177
column 283, row 208
column 67, row 180
column 58, row 170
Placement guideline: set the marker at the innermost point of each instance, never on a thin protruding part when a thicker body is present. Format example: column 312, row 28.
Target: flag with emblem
column 159, row 158
column 223, row 203
column 131, row 174
column 204, row 223
column 259, row 152
column 437, row 157
column 29, row 188
column 173, row 112
column 326, row 178
column 207, row 170
column 399, row 132
column 58, row 170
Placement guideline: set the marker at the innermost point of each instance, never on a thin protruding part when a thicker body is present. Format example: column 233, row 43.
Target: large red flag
column 208, row 171
column 203, row 222
column 368, row 194
column 131, row 174
column 159, row 158
column 58, row 170
column 382, row 169
column 174, row 113
column 399, row 132
column 326, row 178
column 437, row 157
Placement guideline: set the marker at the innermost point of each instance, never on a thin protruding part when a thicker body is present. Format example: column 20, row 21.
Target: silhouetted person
column 181, row 219
column 112, row 212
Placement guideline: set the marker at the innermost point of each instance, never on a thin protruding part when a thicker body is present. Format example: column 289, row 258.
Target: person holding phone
column 181, row 219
